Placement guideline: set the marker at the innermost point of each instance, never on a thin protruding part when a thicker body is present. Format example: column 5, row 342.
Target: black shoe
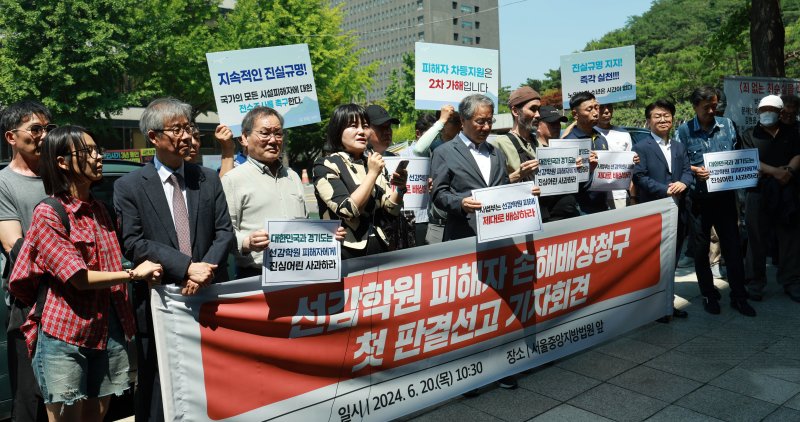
column 509, row 383
column 679, row 313
column 794, row 297
column 711, row 306
column 663, row 320
column 756, row 297
column 743, row 307
column 717, row 294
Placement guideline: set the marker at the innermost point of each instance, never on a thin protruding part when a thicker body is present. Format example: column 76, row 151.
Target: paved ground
column 704, row 368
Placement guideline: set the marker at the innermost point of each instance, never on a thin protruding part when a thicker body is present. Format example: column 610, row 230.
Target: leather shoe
column 679, row 313
column 743, row 307
column 711, row 306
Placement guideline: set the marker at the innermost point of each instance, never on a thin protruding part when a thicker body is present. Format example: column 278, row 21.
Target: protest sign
column 132, row 155
column 608, row 74
column 506, row 211
column 408, row 329
column 584, row 149
column 614, row 170
column 302, row 252
column 558, row 174
column 731, row 169
column 445, row 74
column 743, row 93
column 417, row 193
column 278, row 77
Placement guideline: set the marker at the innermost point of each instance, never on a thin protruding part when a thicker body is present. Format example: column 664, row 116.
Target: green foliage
column 400, row 92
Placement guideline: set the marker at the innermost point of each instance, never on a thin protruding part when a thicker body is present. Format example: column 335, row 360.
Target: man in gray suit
column 467, row 162
column 174, row 213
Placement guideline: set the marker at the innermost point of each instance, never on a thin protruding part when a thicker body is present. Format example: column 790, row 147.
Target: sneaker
column 686, row 262
column 715, row 271
column 743, row 307
column 711, row 306
column 509, row 383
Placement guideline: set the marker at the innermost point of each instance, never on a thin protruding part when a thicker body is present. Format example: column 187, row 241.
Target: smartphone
column 402, row 166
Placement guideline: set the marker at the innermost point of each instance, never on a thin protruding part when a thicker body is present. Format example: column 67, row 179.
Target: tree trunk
column 767, row 38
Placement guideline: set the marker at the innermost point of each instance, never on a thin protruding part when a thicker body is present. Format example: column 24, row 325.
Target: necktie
column 180, row 216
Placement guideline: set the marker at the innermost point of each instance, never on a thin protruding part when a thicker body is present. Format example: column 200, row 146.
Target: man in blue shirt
column 703, row 134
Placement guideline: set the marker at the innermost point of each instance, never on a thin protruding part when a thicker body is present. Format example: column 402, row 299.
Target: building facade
column 387, row 29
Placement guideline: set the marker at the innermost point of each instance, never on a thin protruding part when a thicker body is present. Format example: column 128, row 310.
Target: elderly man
column 261, row 188
column 709, row 133
column 174, row 213
column 772, row 206
column 519, row 144
column 380, row 129
column 24, row 125
column 663, row 169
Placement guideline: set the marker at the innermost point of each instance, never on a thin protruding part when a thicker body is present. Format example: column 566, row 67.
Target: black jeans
column 717, row 209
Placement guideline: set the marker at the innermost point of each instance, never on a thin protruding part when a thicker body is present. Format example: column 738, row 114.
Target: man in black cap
column 519, row 144
column 549, row 125
column 380, row 134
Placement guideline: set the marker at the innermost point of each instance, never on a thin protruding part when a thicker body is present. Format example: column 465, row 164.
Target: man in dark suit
column 173, row 213
column 663, row 169
column 467, row 162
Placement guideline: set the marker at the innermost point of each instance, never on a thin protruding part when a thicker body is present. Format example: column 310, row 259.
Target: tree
column 338, row 75
column 400, row 92
column 767, row 38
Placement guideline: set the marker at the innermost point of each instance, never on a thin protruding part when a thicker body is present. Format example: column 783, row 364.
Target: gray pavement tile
column 688, row 366
column 786, row 347
column 557, row 383
column 654, row 383
column 769, row 321
column 726, row 405
column 567, row 413
column 774, row 366
column 758, row 386
column 734, row 332
column 732, row 351
column 511, row 405
column 456, row 411
column 676, row 413
column 632, row 350
column 794, row 403
column 595, row 365
column 617, row 403
column 665, row 335
column 783, row 414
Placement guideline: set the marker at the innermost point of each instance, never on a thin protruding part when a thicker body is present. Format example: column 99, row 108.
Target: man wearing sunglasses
column 23, row 125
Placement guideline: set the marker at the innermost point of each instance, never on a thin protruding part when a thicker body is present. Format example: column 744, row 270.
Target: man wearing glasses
column 24, row 125
column 174, row 213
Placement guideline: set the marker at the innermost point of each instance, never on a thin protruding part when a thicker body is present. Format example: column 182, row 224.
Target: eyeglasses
column 177, row 131
column 484, row 122
column 37, row 130
column 93, row 150
column 266, row 135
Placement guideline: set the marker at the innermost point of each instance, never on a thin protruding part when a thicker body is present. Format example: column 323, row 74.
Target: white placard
column 731, row 169
column 558, row 174
column 302, row 252
column 417, row 193
column 584, row 149
column 508, row 210
column 278, row 77
column 608, row 74
column 445, row 74
column 614, row 170
column 743, row 93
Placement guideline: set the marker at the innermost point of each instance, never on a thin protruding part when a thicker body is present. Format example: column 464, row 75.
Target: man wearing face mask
column 772, row 206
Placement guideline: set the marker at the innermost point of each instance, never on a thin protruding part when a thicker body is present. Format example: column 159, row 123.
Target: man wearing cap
column 549, row 126
column 772, row 206
column 519, row 144
column 379, row 134
column 703, row 134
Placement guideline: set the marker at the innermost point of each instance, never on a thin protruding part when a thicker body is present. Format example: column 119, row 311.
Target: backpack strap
column 41, row 296
column 521, row 151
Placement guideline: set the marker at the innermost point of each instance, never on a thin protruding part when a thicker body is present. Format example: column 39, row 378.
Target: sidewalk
column 703, row 368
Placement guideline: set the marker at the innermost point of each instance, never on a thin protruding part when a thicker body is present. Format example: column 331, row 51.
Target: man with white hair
column 774, row 204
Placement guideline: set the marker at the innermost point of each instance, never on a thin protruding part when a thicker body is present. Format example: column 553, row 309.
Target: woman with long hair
column 351, row 184
column 70, row 271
